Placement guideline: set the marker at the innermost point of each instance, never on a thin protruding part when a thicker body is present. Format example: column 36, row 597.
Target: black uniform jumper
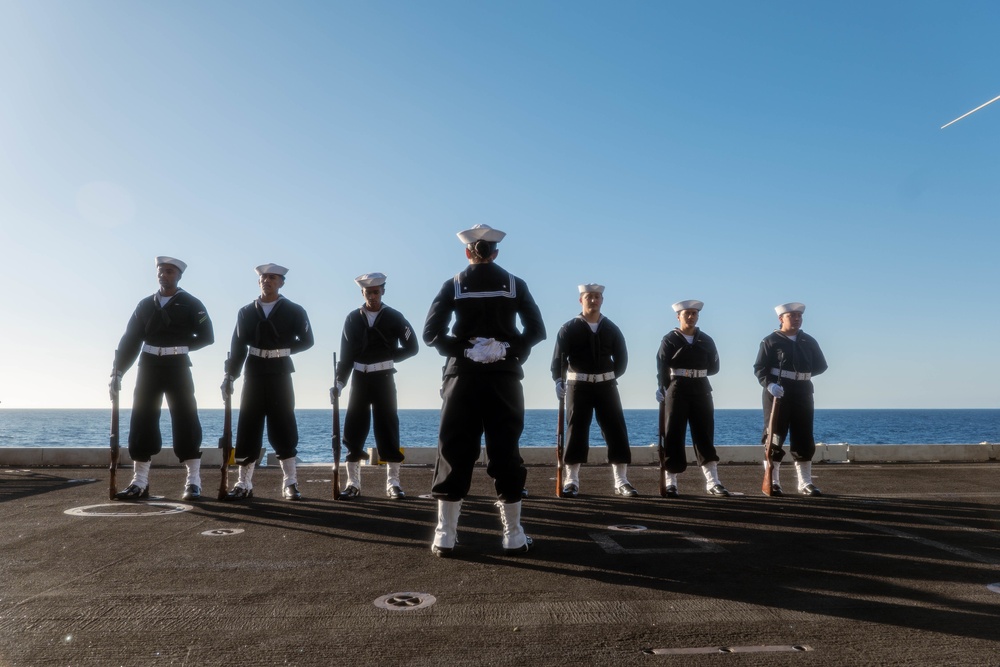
column 479, row 398
column 779, row 354
column 593, row 353
column 267, row 387
column 182, row 322
column 373, row 393
column 688, row 399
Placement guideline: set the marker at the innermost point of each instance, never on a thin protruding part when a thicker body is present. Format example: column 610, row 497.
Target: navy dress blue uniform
column 482, row 392
column 479, row 398
column 371, row 351
column 786, row 362
column 799, row 360
column 600, row 353
column 682, row 368
column 156, row 334
column 261, row 347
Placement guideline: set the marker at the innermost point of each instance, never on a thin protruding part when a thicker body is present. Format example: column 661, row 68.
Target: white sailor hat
column 791, row 307
column 173, row 261
column 481, row 233
column 271, row 268
column 590, row 288
column 371, row 280
column 690, row 304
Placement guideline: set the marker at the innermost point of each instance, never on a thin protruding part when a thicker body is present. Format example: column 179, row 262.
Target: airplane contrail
column 971, row 112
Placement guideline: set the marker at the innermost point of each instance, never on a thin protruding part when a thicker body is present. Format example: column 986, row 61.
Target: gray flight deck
column 898, row 564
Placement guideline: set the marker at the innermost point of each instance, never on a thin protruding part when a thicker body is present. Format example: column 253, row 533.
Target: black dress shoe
column 132, row 492
column 291, row 492
column 626, row 490
column 810, row 490
column 441, row 552
column 671, row 492
column 718, row 490
column 520, row 550
column 191, row 492
column 570, row 491
column 395, row 492
column 776, row 490
column 350, row 492
column 239, row 493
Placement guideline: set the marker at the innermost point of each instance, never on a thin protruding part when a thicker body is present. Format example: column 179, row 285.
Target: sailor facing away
column 164, row 328
column 268, row 332
column 376, row 338
column 686, row 358
column 593, row 350
column 482, row 391
column 787, row 361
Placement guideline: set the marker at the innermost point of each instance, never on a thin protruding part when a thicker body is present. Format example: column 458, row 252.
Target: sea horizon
column 90, row 427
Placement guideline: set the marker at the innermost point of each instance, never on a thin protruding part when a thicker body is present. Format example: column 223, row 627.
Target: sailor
column 786, row 363
column 268, row 331
column 164, row 328
column 482, row 390
column 593, row 350
column 686, row 358
column 375, row 338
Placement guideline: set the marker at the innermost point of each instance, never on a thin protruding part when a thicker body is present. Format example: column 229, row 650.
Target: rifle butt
column 662, row 447
column 766, row 485
column 560, row 446
column 115, row 449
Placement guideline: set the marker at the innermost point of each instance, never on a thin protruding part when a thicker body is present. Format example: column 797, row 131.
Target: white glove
column 335, row 390
column 495, row 351
column 776, row 390
column 115, row 385
column 476, row 352
column 560, row 389
column 227, row 387
column 660, row 394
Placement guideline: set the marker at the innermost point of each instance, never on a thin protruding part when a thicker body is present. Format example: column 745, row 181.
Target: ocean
column 90, row 428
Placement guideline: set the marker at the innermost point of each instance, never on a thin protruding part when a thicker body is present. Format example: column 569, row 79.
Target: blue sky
column 741, row 153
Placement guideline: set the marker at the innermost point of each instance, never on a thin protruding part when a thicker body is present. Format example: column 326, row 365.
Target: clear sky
column 741, row 153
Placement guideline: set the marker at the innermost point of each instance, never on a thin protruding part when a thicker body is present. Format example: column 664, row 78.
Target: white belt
column 688, row 373
column 587, row 377
column 371, row 368
column 791, row 375
column 270, row 354
column 164, row 351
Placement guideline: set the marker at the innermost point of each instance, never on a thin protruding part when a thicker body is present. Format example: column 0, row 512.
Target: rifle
column 768, row 448
column 335, row 439
column 226, row 441
column 115, row 449
column 769, row 433
column 662, row 446
column 561, row 431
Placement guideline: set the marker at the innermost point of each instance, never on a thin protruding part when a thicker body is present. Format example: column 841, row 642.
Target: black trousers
column 477, row 405
column 373, row 396
column 584, row 401
column 151, row 385
column 795, row 420
column 698, row 411
column 270, row 399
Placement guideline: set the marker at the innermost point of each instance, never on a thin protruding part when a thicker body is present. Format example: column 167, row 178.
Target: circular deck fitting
column 130, row 509
column 405, row 601
column 627, row 528
column 222, row 532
